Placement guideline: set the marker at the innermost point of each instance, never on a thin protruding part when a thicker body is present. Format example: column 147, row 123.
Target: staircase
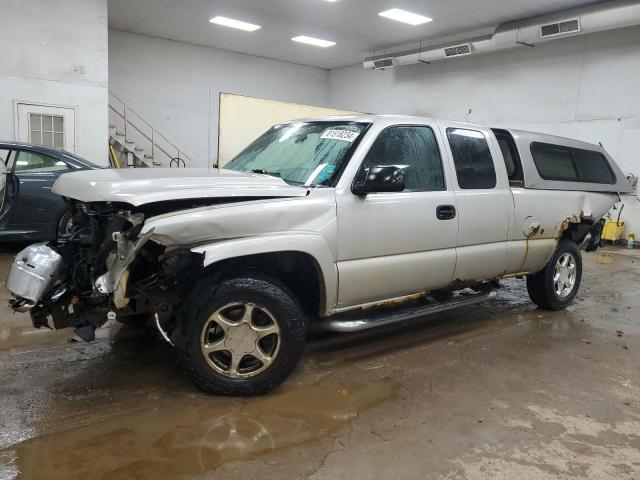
column 134, row 143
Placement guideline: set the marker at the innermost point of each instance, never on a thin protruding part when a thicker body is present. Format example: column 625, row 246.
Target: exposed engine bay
column 102, row 269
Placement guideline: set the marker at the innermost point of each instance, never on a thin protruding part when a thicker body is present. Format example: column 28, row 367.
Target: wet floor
column 499, row 390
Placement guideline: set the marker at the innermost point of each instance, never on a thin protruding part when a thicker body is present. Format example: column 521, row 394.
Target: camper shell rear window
column 567, row 164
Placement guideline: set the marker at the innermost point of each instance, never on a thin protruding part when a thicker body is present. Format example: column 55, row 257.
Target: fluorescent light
column 316, row 42
column 405, row 17
column 230, row 22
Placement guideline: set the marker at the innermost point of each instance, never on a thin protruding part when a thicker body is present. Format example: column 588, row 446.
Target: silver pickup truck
column 339, row 224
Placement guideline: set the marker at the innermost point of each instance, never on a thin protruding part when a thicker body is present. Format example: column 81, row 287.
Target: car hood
column 140, row 186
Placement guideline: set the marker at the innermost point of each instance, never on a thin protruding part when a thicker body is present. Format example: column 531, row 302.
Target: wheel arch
column 304, row 263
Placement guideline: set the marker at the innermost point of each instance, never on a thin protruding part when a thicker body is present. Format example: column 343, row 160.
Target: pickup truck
column 340, row 224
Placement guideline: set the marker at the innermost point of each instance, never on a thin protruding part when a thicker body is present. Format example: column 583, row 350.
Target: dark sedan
column 30, row 210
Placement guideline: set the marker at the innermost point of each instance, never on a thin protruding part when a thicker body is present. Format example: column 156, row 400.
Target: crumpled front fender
column 311, row 244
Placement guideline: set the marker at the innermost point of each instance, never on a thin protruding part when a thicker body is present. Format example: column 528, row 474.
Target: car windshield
column 301, row 153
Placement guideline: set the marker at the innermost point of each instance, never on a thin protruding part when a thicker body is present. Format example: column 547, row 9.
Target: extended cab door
column 396, row 244
column 485, row 202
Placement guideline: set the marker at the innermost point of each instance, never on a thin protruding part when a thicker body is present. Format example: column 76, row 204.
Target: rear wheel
column 242, row 336
column 557, row 284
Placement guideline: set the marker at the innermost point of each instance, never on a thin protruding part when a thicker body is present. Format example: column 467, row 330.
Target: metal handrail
column 154, row 133
column 141, row 133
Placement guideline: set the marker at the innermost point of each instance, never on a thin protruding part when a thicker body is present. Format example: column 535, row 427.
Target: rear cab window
column 511, row 157
column 560, row 163
column 472, row 159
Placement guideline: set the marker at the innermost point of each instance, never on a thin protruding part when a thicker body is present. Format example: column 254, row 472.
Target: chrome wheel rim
column 564, row 275
column 240, row 340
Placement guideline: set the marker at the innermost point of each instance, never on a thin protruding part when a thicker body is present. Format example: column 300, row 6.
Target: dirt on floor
column 501, row 390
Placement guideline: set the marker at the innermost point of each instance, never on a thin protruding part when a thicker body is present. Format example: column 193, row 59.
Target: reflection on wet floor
column 120, row 407
column 193, row 435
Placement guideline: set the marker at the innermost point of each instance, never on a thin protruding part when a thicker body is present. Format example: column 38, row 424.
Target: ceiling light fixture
column 403, row 16
column 230, row 22
column 316, row 42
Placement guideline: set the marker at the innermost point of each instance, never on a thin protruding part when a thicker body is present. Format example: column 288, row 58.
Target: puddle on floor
column 193, row 435
column 25, row 336
column 12, row 337
column 605, row 259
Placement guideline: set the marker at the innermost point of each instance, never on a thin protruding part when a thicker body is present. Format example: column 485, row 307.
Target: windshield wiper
column 277, row 175
column 265, row 172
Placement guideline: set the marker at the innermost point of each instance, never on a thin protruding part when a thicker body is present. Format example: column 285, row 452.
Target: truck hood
column 140, row 186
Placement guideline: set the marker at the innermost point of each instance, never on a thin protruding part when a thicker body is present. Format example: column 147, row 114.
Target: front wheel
column 65, row 225
column 242, row 336
column 557, row 284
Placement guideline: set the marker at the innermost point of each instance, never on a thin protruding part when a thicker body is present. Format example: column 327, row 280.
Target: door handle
column 445, row 212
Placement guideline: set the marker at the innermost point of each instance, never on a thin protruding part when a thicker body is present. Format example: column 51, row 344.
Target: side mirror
column 386, row 178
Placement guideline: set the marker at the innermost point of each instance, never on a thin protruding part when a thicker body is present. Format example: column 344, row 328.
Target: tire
column 223, row 320
column 549, row 293
column 65, row 224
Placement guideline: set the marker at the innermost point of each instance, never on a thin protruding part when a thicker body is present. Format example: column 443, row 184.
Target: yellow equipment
column 612, row 231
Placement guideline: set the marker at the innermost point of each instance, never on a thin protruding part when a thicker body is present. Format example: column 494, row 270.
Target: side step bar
column 342, row 322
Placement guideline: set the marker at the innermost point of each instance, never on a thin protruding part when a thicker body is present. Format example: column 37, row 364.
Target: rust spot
column 567, row 222
column 534, row 229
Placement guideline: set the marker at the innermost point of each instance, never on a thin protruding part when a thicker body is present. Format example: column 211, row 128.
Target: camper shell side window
column 562, row 163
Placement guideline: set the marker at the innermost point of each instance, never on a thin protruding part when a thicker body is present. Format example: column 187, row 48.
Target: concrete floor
column 500, row 391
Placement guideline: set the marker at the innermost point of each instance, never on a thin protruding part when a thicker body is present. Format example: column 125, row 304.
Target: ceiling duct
column 384, row 63
column 457, row 50
column 560, row 28
column 530, row 32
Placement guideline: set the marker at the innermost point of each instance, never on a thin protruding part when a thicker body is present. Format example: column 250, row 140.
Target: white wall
column 584, row 87
column 175, row 86
column 42, row 42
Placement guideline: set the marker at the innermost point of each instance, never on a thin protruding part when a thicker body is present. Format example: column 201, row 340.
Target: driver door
column 396, row 244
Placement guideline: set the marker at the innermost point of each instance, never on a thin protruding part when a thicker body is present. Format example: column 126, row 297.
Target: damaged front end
column 102, row 269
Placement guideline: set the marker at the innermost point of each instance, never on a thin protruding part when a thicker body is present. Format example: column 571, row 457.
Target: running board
column 360, row 320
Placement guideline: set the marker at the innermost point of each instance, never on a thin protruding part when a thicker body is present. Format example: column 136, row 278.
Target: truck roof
column 523, row 140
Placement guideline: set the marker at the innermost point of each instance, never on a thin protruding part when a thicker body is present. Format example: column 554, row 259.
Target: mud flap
column 595, row 237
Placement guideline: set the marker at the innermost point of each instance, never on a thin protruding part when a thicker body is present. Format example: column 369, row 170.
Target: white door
column 51, row 126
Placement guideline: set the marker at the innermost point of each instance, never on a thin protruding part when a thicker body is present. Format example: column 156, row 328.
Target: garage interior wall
column 175, row 86
column 584, row 87
column 45, row 60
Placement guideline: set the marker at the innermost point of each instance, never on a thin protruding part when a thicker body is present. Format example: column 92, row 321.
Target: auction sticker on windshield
column 346, row 135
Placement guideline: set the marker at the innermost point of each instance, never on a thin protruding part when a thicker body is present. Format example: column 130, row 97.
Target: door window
column 34, row 162
column 472, row 158
column 46, row 125
column 47, row 130
column 414, row 149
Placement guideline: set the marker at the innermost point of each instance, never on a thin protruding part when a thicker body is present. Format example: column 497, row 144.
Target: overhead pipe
column 523, row 33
